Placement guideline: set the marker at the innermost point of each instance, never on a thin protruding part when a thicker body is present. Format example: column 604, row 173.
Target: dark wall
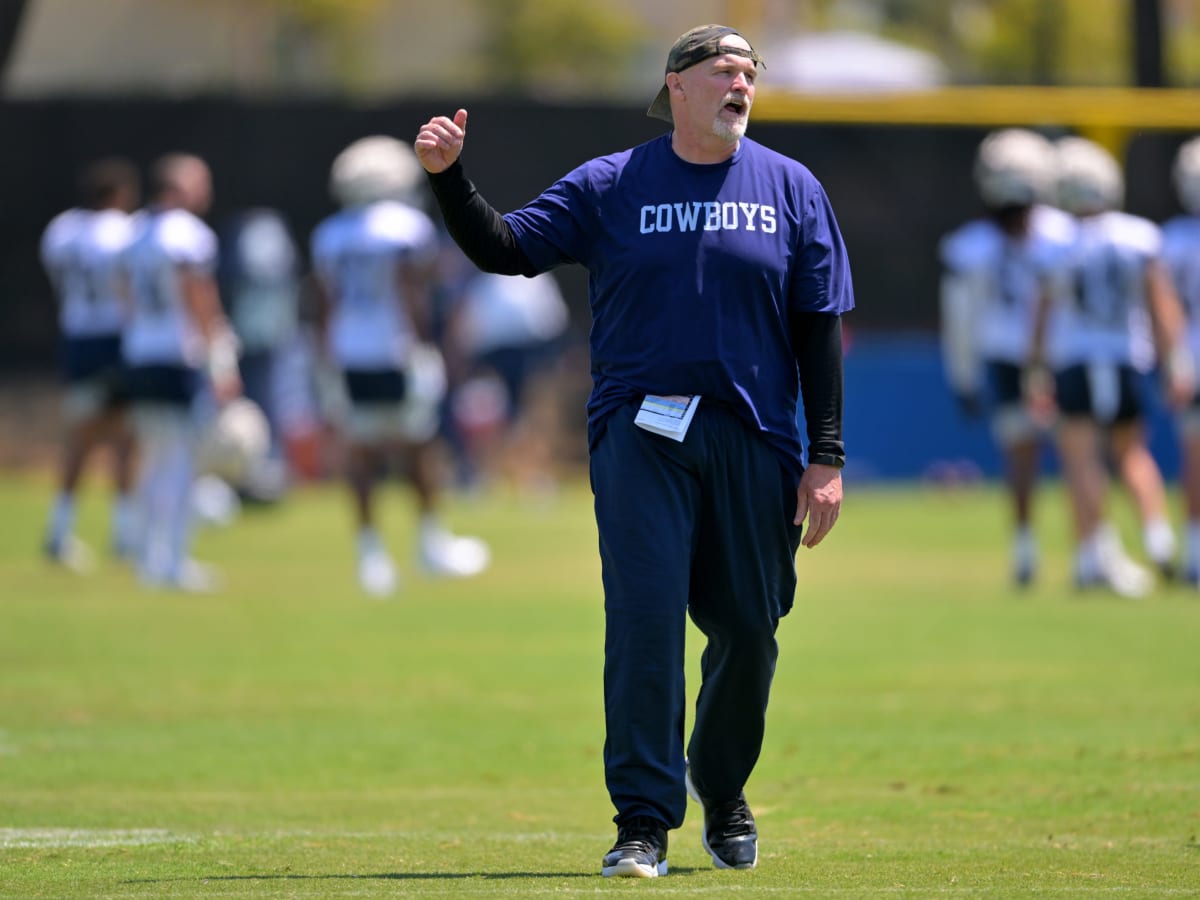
column 895, row 189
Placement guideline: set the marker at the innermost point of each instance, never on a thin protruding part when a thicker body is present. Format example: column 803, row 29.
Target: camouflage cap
column 694, row 46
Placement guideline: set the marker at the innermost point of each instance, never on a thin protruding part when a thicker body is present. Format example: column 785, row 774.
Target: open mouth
column 737, row 106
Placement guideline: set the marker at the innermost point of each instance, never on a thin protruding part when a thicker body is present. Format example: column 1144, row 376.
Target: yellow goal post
column 1108, row 115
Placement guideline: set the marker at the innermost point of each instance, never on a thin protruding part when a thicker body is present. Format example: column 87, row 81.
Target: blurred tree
column 304, row 26
column 558, row 46
column 324, row 13
column 1084, row 42
column 1021, row 41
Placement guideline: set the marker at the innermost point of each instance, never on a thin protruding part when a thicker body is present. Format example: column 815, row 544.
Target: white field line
column 49, row 838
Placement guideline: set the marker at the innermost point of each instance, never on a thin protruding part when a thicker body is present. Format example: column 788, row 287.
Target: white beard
column 731, row 130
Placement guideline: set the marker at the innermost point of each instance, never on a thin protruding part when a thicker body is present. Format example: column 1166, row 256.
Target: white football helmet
column 1089, row 178
column 374, row 168
column 236, row 440
column 1014, row 167
column 1186, row 173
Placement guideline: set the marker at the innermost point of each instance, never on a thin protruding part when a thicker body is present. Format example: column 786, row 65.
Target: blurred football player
column 179, row 348
column 80, row 249
column 508, row 331
column 259, row 279
column 995, row 269
column 1181, row 250
column 373, row 261
column 1120, row 314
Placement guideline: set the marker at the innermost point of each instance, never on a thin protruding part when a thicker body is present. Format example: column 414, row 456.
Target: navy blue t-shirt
column 694, row 271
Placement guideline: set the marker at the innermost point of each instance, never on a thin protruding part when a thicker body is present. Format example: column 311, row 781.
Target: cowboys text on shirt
column 709, row 215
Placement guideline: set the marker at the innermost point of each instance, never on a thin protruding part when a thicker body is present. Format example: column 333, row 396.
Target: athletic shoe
column 70, row 553
column 730, row 835
column 376, row 571
column 640, row 850
column 1123, row 577
column 195, row 577
column 191, row 577
column 1024, row 555
column 1159, row 540
column 1102, row 562
column 451, row 556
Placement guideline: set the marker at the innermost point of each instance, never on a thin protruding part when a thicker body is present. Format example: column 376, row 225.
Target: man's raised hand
column 440, row 141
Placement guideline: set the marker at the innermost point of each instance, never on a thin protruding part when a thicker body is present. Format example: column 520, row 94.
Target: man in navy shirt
column 717, row 279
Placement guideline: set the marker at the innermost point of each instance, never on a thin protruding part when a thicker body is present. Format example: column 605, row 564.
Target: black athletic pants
column 701, row 528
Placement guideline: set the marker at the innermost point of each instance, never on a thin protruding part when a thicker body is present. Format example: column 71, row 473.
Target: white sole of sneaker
column 627, row 868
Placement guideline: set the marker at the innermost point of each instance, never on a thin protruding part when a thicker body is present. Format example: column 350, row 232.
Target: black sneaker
column 730, row 835
column 640, row 850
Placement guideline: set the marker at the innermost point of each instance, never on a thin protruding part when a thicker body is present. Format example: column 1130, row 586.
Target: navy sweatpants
column 702, row 527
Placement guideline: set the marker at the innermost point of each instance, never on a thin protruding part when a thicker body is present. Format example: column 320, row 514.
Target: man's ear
column 674, row 84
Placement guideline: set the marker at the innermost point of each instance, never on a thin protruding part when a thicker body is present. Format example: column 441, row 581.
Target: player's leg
column 743, row 582
column 179, row 477
column 370, row 428
column 418, row 422
column 1022, row 464
column 1141, row 474
column 160, row 432
column 86, row 362
column 124, row 458
column 440, row 551
column 61, row 544
column 1099, row 557
column 1144, row 480
column 163, row 398
column 1078, row 443
column 365, row 460
column 1019, row 439
column 1189, row 429
column 647, row 502
column 118, row 434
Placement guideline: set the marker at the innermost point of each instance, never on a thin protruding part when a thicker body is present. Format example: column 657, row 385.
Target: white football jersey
column 1007, row 276
column 1181, row 252
column 161, row 330
column 81, row 250
column 1104, row 300
column 356, row 253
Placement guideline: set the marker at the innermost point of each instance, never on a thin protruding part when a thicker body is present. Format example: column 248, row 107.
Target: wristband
column 827, row 459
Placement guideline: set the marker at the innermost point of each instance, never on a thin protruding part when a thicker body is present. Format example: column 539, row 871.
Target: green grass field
column 932, row 733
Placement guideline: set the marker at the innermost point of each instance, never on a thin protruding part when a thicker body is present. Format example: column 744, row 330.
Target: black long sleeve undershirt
column 476, row 226
column 817, row 342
